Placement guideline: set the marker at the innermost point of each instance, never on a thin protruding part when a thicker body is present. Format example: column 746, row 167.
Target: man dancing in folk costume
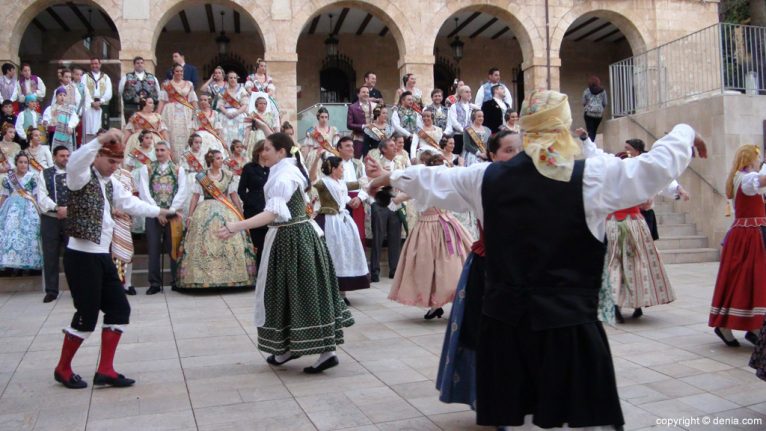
column 90, row 272
column 542, row 351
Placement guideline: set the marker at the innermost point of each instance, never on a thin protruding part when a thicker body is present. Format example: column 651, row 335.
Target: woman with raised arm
column 298, row 310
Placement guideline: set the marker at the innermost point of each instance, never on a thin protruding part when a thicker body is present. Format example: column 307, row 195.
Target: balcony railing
column 715, row 60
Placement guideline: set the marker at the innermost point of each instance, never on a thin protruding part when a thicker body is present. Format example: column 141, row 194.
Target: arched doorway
column 365, row 43
column 445, row 74
column 70, row 34
column 590, row 44
column 336, row 80
column 488, row 37
column 198, row 30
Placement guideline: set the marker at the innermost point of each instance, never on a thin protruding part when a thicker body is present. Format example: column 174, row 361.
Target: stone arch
column 532, row 43
column 638, row 37
column 163, row 11
column 385, row 10
column 24, row 11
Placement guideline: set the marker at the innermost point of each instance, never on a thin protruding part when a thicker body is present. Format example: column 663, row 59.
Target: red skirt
column 357, row 214
column 739, row 300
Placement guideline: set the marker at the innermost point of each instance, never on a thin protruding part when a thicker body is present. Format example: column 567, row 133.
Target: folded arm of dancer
column 609, row 183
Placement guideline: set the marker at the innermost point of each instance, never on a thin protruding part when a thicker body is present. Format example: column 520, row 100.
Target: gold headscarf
column 545, row 121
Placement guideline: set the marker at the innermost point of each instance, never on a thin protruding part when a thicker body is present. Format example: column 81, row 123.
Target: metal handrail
column 654, row 138
column 716, row 59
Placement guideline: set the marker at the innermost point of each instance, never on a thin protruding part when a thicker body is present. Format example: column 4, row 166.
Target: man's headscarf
column 545, row 121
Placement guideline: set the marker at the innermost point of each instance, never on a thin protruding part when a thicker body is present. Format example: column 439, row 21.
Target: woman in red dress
column 739, row 300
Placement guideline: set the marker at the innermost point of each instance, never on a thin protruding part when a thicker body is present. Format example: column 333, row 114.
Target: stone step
column 667, row 230
column 664, row 207
column 681, row 242
column 671, row 218
column 696, row 255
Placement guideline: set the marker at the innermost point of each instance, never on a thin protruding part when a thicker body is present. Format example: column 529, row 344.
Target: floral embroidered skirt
column 20, row 241
column 207, row 261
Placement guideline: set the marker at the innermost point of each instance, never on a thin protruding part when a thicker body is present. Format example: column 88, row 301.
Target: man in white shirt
column 9, row 86
column 405, row 120
column 459, row 117
column 385, row 223
column 30, row 84
column 484, row 92
column 52, row 221
column 163, row 184
column 90, row 272
column 353, row 171
column 99, row 88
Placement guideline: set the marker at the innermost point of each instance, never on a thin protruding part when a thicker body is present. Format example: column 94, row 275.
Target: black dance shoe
column 153, row 289
column 439, row 312
column 374, row 278
column 618, row 315
column 751, row 337
column 74, row 382
column 50, row 297
column 732, row 343
column 330, row 362
column 118, row 382
column 638, row 313
column 130, row 291
column 272, row 359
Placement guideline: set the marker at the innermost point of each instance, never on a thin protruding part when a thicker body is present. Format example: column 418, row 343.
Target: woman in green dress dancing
column 298, row 310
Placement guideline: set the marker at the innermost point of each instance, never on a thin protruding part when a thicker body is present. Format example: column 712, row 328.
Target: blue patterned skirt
column 20, row 242
column 456, row 379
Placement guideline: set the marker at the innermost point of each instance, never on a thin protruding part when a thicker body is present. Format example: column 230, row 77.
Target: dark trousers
column 385, row 223
column 359, row 149
column 53, row 238
column 458, row 137
column 95, row 285
column 158, row 242
column 591, row 125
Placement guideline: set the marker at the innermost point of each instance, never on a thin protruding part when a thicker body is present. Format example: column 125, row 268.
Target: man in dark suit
column 360, row 115
column 190, row 72
column 495, row 108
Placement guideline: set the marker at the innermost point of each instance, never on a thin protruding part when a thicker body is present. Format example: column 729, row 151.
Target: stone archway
column 638, row 38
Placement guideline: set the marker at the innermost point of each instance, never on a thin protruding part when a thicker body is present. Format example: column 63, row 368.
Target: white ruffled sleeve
column 276, row 199
column 750, row 183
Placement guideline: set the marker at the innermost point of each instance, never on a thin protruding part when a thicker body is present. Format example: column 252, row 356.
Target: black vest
column 85, row 212
column 543, row 265
column 56, row 185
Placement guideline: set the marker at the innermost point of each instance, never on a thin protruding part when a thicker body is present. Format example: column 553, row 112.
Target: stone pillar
column 536, row 74
column 423, row 68
column 283, row 68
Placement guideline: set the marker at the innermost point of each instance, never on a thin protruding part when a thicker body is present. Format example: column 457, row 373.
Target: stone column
column 283, row 68
column 423, row 68
column 536, row 74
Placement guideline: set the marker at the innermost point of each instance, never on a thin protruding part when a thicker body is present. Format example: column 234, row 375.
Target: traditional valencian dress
column 178, row 112
column 341, row 234
column 431, row 261
column 634, row 268
column 133, row 161
column 207, row 125
column 206, row 261
column 229, row 103
column 739, row 299
column 140, row 122
column 475, row 142
column 298, row 307
column 20, row 241
column 253, row 134
column 374, row 135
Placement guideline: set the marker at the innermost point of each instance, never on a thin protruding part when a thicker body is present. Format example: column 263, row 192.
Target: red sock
column 71, row 344
column 109, row 340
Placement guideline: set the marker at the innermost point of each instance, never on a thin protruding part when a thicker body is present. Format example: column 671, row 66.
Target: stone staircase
column 679, row 240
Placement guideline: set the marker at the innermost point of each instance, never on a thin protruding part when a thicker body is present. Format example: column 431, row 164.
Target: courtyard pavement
column 198, row 368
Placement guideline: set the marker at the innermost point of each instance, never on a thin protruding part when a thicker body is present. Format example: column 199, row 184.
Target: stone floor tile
column 641, row 394
column 158, row 422
column 458, row 421
column 417, row 424
column 387, row 411
column 708, row 403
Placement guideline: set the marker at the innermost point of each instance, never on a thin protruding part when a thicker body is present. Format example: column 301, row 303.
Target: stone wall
column 725, row 122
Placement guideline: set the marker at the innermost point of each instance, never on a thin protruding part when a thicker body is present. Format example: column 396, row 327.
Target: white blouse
column 609, row 183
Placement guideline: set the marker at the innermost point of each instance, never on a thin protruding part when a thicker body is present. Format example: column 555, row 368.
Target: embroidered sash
column 175, row 96
column 207, row 126
column 210, row 187
column 193, row 162
column 141, row 122
column 14, row 180
column 234, row 166
column 476, row 139
column 317, row 136
column 33, row 162
column 379, row 133
column 122, row 241
column 141, row 157
column 230, row 100
column 429, row 140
